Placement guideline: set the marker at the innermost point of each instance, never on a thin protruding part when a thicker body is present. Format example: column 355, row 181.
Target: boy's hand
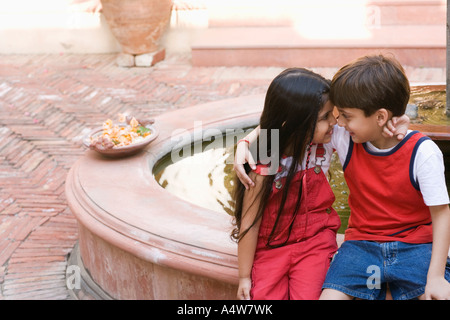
column 242, row 156
column 437, row 289
column 397, row 126
column 245, row 284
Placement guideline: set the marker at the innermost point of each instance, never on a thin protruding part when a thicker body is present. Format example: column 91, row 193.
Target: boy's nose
column 336, row 116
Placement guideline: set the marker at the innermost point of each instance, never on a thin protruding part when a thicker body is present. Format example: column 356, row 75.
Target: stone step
column 414, row 45
column 233, row 13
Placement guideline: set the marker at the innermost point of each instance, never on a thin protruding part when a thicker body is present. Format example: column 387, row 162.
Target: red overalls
column 297, row 269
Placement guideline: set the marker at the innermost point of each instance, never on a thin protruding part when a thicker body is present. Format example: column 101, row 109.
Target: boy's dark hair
column 370, row 83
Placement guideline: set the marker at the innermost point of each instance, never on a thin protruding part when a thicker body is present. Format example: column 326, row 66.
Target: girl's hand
column 242, row 156
column 245, row 284
column 437, row 289
column 397, row 126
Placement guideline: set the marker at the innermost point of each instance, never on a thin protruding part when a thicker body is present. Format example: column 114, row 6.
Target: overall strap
column 320, row 153
column 278, row 185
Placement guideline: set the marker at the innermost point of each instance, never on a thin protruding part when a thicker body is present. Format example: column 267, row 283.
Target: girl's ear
column 383, row 115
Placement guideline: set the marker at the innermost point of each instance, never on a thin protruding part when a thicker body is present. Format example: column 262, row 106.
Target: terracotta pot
column 137, row 24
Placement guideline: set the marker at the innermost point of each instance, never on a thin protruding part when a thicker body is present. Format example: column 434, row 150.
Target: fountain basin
column 138, row 241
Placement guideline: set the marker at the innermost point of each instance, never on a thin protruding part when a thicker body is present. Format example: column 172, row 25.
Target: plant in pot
column 138, row 26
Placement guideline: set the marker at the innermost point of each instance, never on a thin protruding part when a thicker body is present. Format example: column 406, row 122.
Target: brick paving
column 47, row 104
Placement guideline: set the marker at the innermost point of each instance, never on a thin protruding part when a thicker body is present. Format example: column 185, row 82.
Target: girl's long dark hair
column 292, row 104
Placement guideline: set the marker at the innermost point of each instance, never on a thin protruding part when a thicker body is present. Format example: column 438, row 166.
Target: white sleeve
column 429, row 172
column 340, row 140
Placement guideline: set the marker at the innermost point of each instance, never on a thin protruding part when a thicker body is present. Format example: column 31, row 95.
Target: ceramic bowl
column 123, row 151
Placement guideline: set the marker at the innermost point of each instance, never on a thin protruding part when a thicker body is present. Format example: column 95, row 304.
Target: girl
column 285, row 225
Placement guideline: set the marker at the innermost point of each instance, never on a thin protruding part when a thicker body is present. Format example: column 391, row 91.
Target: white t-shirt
column 428, row 168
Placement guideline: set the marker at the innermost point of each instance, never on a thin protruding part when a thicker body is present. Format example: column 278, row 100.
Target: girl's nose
column 333, row 120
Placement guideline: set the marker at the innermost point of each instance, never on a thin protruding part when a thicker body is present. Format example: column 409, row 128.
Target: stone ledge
column 418, row 46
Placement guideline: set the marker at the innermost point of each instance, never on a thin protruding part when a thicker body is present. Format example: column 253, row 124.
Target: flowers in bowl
column 127, row 137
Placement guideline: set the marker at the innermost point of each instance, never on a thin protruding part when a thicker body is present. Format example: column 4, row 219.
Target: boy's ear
column 383, row 116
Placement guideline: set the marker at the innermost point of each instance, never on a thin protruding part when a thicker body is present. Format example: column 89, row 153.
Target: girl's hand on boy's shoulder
column 397, row 126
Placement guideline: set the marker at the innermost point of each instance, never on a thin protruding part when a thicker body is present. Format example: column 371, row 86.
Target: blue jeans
column 362, row 269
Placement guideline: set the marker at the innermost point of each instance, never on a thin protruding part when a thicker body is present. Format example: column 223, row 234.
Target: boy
column 399, row 226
